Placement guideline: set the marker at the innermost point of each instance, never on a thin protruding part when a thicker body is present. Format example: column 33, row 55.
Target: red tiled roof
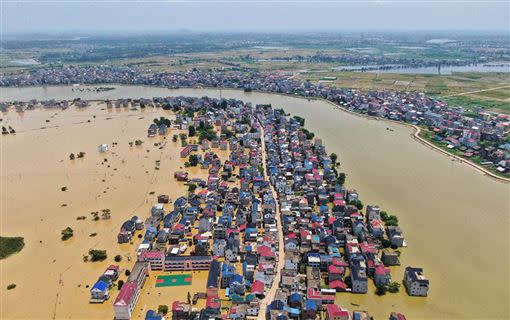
column 337, row 284
column 335, row 311
column 126, row 293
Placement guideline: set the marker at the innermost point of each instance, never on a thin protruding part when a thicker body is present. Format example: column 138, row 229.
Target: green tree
column 191, row 131
column 299, row 119
column 193, row 160
column 394, row 287
column 341, row 178
column 97, row 255
column 381, row 290
column 67, row 233
column 333, row 158
column 192, row 188
column 118, row 258
column 71, row 156
column 163, row 309
column 189, row 298
column 120, row 284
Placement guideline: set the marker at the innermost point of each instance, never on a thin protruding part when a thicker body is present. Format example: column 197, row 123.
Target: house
column 153, row 315
column 139, row 273
column 181, row 311
column 181, row 175
column 182, row 263
column 163, row 129
column 155, row 258
column 213, row 279
column 185, row 152
column 397, row 316
column 227, row 272
column 103, row 148
column 238, row 311
column 395, row 236
column 163, row 198
column 334, row 312
column 382, row 275
column 151, row 132
column 126, row 301
column 360, row 315
column 359, row 279
column 309, row 310
column 390, row 258
column 99, row 292
column 415, row 282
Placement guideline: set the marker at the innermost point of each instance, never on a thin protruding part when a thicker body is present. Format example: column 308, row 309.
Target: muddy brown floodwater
column 455, row 220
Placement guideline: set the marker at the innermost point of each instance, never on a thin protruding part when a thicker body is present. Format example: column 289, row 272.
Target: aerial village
column 474, row 134
column 273, row 225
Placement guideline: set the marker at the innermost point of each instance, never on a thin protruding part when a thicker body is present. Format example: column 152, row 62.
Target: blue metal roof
column 100, row 285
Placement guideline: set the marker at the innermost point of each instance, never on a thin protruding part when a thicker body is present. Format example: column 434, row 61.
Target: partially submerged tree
column 67, row 233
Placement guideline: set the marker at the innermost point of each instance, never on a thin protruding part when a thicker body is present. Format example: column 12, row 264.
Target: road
column 476, row 91
column 281, row 254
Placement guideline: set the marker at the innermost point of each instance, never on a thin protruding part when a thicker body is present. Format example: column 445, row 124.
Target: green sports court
column 173, row 280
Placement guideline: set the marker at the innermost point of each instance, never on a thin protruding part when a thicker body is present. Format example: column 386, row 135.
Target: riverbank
column 470, row 163
column 417, row 137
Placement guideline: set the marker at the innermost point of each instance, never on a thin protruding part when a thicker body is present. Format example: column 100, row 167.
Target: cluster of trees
column 229, row 133
column 80, row 154
column 206, row 131
column 357, row 203
column 192, row 188
column 97, row 255
column 389, row 220
column 192, row 161
column 67, row 233
column 162, row 120
column 309, row 135
column 163, row 309
column 393, row 287
column 300, row 120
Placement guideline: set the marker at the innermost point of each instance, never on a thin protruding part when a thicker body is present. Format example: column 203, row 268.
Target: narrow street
column 280, row 256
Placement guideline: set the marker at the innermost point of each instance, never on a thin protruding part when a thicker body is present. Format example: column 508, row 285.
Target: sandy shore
column 48, row 272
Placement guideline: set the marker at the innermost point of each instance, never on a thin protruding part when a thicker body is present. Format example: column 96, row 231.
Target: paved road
column 281, row 254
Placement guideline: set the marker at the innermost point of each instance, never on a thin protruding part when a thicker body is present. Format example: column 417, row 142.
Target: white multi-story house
column 415, row 282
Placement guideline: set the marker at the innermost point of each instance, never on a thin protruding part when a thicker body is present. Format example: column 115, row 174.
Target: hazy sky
column 248, row 15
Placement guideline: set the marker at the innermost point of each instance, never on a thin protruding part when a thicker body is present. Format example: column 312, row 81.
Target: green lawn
column 10, row 245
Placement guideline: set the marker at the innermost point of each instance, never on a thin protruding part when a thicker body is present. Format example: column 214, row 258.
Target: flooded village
column 272, row 225
column 474, row 134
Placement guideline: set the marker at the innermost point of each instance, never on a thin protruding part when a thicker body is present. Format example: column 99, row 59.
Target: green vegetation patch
column 10, row 245
column 469, row 103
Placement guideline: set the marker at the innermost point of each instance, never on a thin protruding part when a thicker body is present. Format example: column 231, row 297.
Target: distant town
column 480, row 136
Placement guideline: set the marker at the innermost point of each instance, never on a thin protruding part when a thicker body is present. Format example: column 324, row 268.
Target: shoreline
column 415, row 134
column 417, row 137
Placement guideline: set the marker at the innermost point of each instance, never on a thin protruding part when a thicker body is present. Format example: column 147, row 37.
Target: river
column 455, row 220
